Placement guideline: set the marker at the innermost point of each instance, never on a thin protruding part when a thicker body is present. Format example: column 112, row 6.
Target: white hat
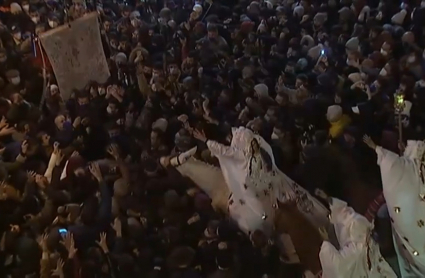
column 355, row 77
column 334, row 113
column 15, row 8
column 160, row 124
column 262, row 90
column 299, row 11
column 399, row 17
column 120, row 58
column 197, row 8
column 269, row 5
column 314, row 52
column 307, row 41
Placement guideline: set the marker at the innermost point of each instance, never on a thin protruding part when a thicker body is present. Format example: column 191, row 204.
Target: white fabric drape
column 359, row 255
column 403, row 187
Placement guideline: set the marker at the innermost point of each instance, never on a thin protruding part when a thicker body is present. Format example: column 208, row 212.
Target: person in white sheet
column 358, row 254
column 255, row 183
column 404, row 192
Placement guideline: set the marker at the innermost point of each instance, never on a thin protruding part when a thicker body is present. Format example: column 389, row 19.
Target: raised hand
column 95, row 171
column 3, row 122
column 369, row 142
column 102, row 243
column 42, row 242
column 7, row 130
column 24, row 147
column 58, row 271
column 200, row 135
column 59, row 158
column 183, row 118
column 55, row 147
column 117, row 226
column 114, row 151
column 31, row 176
column 76, row 122
column 68, row 242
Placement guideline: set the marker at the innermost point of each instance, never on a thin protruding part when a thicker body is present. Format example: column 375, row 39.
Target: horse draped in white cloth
column 404, row 191
column 249, row 183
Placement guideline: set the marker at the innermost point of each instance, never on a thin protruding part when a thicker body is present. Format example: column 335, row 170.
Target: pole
column 400, row 131
column 398, row 107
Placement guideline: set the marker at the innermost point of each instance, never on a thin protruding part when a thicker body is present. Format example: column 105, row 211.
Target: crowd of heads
column 83, row 191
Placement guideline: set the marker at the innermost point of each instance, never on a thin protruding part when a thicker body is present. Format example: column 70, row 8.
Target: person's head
column 225, row 97
column 390, row 69
column 113, row 130
column 25, row 6
column 374, row 32
column 13, row 77
column 61, row 122
column 112, row 108
column 282, row 99
column 54, row 90
column 320, row 67
column 44, row 139
column 212, row 31
column 83, row 99
column 334, row 113
column 16, row 32
column 413, row 59
column 35, row 16
column 211, row 229
column 272, row 115
column 155, row 137
column 107, row 23
column 386, row 48
column 279, row 132
column 301, row 81
column 126, row 11
column 16, row 98
column 53, row 21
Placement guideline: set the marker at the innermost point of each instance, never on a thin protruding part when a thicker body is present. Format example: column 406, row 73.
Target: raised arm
column 105, row 207
column 386, row 158
column 216, row 148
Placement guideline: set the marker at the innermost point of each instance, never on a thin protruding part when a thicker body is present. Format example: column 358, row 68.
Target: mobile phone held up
column 63, row 231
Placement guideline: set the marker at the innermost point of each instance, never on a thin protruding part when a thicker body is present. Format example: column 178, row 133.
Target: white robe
column 250, row 211
column 402, row 187
column 359, row 254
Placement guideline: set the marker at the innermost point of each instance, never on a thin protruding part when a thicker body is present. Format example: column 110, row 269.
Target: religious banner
column 76, row 54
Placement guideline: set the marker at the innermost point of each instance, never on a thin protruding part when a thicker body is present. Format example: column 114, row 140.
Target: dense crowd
column 83, row 192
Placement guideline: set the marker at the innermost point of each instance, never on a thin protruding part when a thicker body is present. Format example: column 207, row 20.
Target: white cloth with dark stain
column 359, row 254
column 254, row 189
column 403, row 188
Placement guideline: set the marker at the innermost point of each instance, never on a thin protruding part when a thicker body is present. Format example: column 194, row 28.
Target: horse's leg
column 179, row 159
column 183, row 157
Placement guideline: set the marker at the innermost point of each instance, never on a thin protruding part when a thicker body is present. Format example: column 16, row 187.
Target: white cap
column 197, row 8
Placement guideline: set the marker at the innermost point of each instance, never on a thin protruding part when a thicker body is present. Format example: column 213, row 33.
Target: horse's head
column 284, row 210
column 304, row 235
